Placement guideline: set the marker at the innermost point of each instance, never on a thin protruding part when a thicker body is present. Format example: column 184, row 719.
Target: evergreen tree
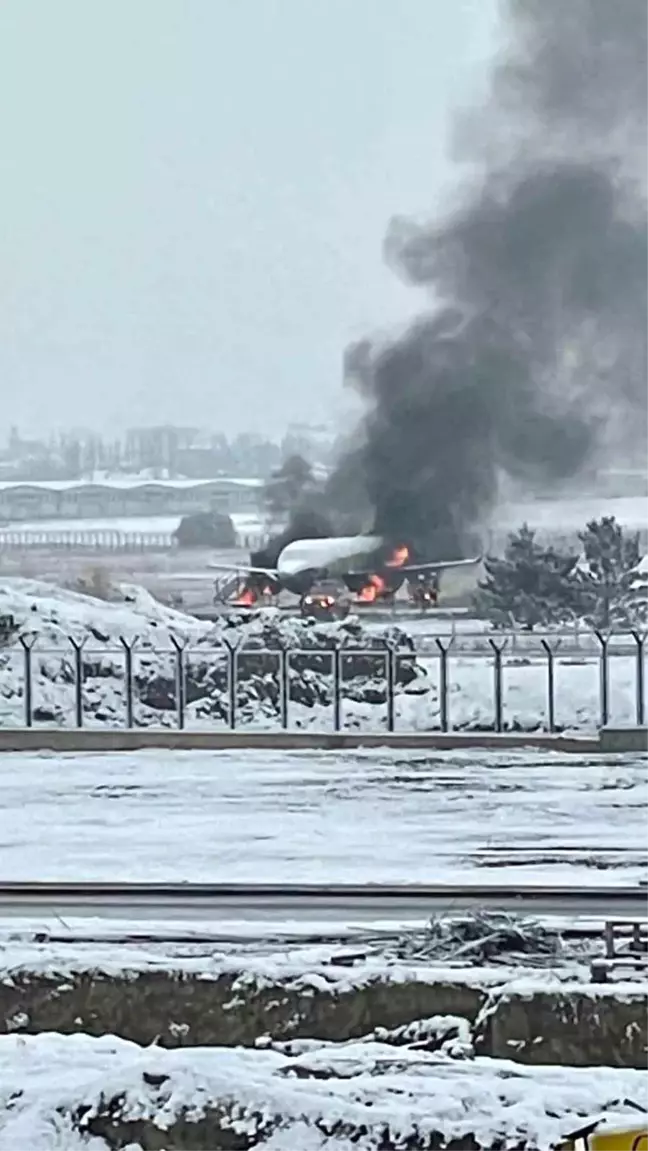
column 636, row 598
column 205, row 530
column 613, row 589
column 529, row 586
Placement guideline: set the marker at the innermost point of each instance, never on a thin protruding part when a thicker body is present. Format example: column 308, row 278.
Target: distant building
column 158, row 447
column 63, row 499
column 314, row 442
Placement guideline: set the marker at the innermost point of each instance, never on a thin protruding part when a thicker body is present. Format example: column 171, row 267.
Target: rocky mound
column 280, row 662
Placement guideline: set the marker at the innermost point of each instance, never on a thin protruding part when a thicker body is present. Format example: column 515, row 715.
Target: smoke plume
column 306, row 523
column 533, row 353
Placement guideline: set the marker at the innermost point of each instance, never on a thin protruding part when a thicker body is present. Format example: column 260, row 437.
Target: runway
column 339, row 903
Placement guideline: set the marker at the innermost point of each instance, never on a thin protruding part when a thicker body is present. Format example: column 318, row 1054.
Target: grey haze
column 195, row 194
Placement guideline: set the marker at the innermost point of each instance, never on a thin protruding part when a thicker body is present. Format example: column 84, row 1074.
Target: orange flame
column 247, row 598
column 398, row 557
column 372, row 590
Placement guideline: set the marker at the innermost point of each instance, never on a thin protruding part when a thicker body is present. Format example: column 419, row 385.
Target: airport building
column 74, row 499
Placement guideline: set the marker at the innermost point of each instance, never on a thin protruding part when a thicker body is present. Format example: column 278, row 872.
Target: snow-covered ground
column 54, row 1091
column 483, row 817
column 573, row 514
column 50, row 616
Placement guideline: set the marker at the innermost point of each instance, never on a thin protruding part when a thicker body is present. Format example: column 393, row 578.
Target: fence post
column 128, row 677
column 640, row 640
column 77, row 648
column 444, row 651
column 284, row 682
column 336, row 663
column 179, row 646
column 27, row 646
column 550, row 652
column 497, row 650
column 604, row 677
column 390, row 669
column 232, row 681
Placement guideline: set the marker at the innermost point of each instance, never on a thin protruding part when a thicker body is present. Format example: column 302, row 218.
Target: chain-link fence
column 495, row 682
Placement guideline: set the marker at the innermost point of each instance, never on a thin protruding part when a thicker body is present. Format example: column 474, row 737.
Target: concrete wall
column 609, row 740
column 96, row 740
column 624, row 739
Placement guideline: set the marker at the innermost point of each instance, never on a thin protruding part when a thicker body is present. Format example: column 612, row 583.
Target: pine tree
column 636, row 599
column 613, row 589
column 529, row 586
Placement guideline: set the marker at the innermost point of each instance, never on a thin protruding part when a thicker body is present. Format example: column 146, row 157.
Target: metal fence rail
column 180, row 673
column 569, row 640
column 101, row 540
column 97, row 540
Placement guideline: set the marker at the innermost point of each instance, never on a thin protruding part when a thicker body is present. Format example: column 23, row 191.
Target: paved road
column 340, row 903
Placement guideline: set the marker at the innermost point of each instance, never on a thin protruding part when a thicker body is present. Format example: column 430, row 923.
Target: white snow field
column 573, row 513
column 54, row 1091
column 354, row 816
column 49, row 616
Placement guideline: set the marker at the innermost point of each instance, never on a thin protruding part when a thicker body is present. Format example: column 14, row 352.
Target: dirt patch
column 570, row 1028
column 176, row 1009
column 579, row 1026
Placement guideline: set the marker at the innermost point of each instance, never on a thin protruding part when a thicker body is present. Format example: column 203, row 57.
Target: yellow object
column 608, row 1138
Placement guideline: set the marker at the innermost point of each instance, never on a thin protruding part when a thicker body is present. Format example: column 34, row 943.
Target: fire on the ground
column 376, row 587
column 252, row 593
column 379, row 586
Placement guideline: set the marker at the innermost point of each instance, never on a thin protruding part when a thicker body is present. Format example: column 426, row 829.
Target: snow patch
column 54, row 1088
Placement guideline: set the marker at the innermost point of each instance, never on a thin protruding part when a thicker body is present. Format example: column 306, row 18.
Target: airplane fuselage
column 303, row 562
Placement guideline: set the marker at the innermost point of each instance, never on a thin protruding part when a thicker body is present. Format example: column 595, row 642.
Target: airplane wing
column 435, row 567
column 243, row 569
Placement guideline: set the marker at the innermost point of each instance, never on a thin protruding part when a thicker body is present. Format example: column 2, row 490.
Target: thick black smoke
column 305, row 524
column 535, row 354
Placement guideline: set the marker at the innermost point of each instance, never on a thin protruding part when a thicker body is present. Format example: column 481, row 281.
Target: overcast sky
column 195, row 192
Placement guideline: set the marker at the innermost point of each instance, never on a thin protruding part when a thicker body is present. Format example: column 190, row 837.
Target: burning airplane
column 369, row 569
column 529, row 364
